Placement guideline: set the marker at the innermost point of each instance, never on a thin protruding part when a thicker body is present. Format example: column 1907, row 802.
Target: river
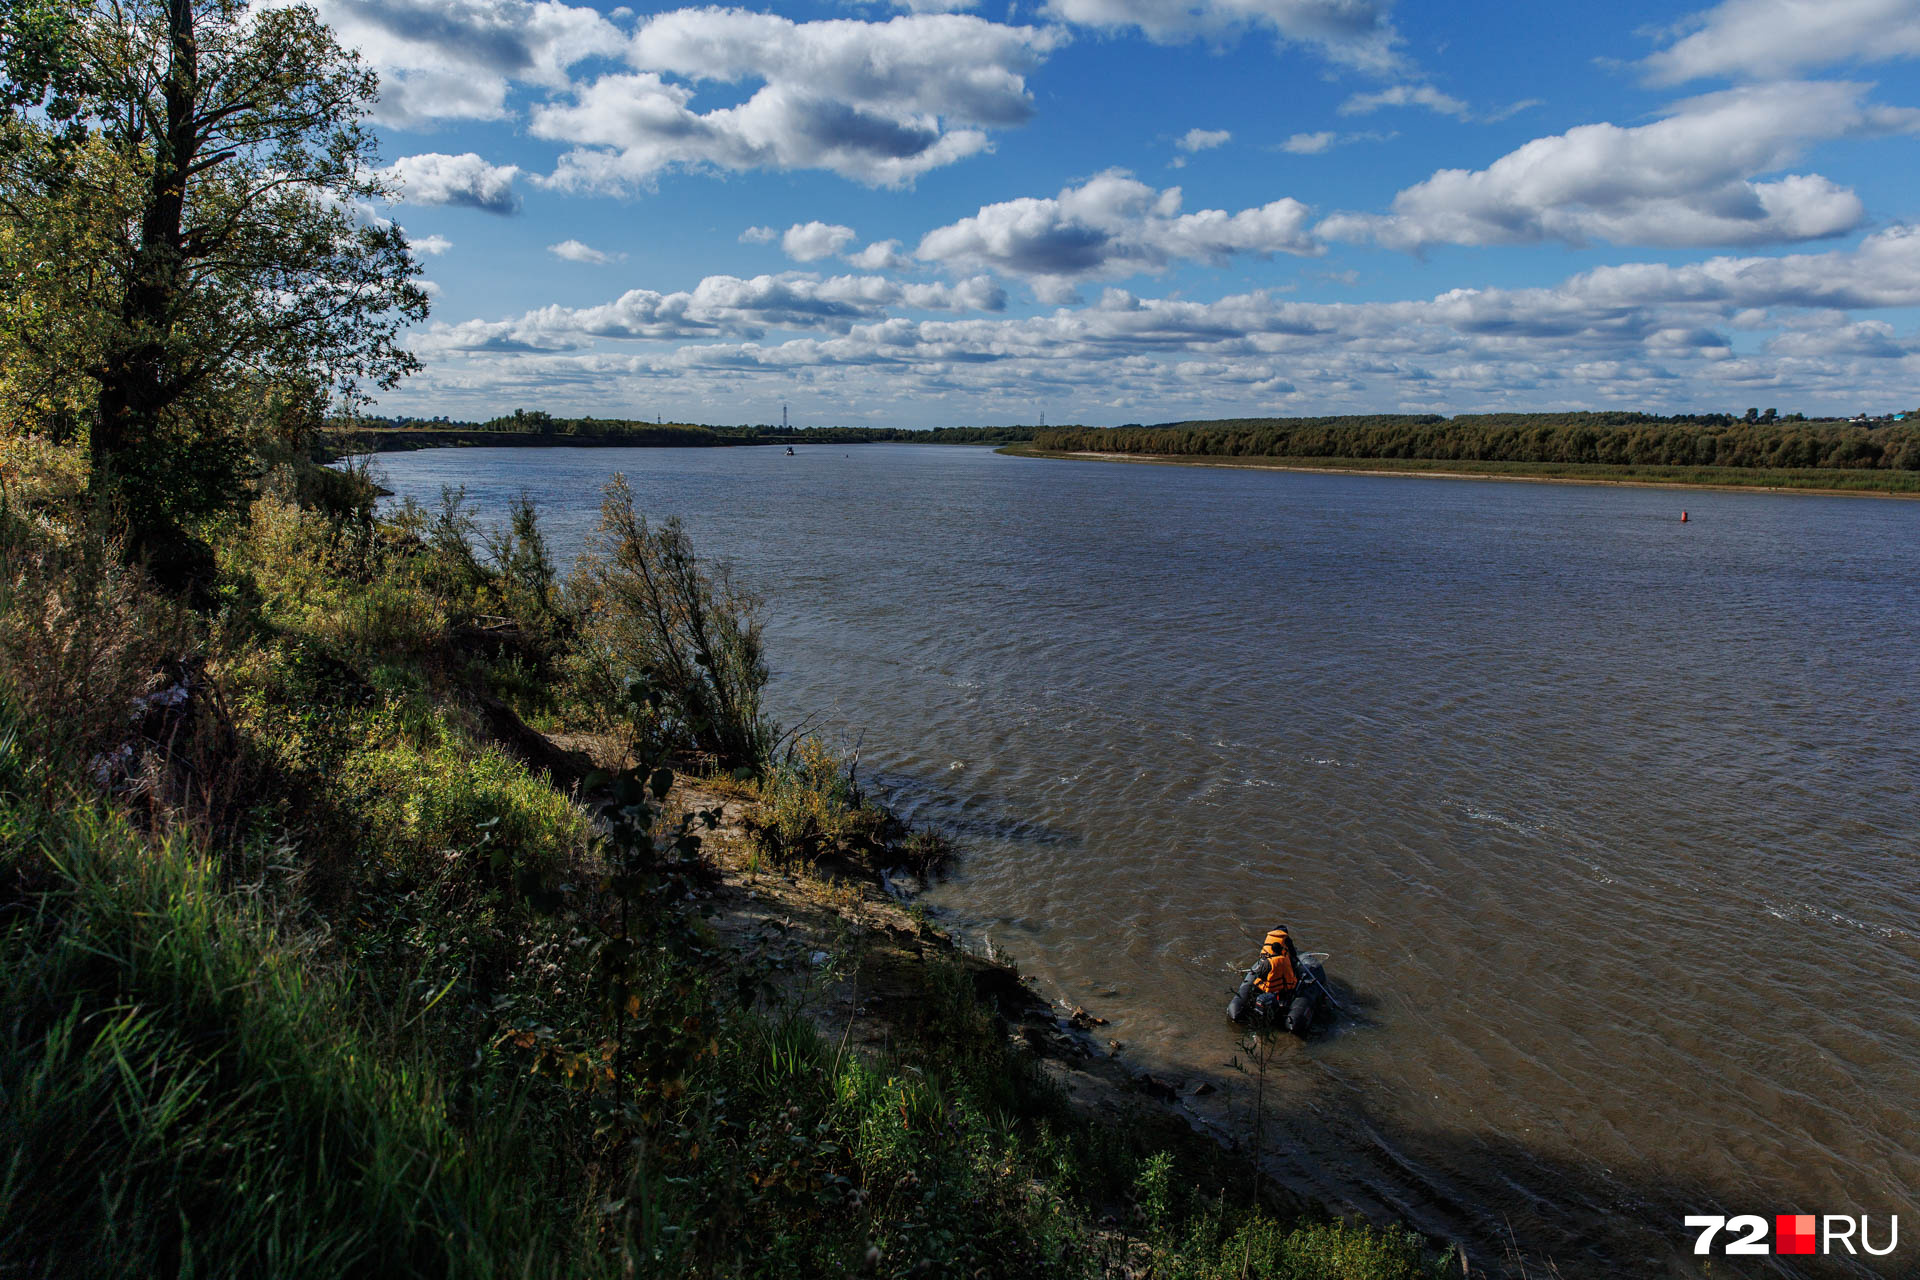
column 1607, row 821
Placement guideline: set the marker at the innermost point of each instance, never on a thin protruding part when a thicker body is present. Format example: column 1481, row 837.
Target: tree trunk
column 142, row 379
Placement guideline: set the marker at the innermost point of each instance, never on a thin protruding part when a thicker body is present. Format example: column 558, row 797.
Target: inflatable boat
column 1311, row 999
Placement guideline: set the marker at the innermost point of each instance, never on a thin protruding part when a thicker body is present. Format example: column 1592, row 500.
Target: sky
column 957, row 212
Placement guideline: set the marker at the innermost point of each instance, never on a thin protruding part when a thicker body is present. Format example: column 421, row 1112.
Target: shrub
column 687, row 637
column 40, row 480
column 311, row 577
column 810, row 807
column 528, row 586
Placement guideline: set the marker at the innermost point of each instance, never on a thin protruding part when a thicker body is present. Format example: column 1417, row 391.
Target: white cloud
column 1313, row 144
column 881, row 255
column 455, row 59
column 1405, row 95
column 1645, row 335
column 812, row 241
column 431, row 246
column 759, row 235
column 947, row 63
column 976, row 293
column 717, row 306
column 1203, row 139
column 436, row 178
column 1825, row 340
column 1742, row 39
column 1353, row 33
column 1883, row 272
column 577, row 251
column 1684, row 180
column 878, row 102
column 1110, row 226
column 1511, row 110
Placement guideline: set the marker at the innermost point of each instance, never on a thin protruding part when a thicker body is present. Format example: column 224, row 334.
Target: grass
column 1890, row 482
column 185, row 1093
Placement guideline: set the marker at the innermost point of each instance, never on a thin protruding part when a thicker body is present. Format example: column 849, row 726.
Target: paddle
column 1315, row 962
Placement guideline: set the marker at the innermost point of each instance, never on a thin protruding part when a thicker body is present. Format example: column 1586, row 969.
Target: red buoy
column 1683, row 517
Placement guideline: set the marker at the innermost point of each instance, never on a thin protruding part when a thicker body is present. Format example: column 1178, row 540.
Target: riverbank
column 1874, row 484
column 849, row 947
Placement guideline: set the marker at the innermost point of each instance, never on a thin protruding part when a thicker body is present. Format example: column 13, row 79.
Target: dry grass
column 83, row 640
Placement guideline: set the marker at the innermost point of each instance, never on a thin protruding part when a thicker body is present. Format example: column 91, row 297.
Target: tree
column 186, row 230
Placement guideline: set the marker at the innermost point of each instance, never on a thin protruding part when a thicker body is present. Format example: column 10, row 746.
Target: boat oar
column 1320, row 967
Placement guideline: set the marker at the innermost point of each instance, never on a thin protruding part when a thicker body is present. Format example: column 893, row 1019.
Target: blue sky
column 935, row 212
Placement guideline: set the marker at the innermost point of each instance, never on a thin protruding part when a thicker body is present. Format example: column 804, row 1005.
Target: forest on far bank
column 1612, row 439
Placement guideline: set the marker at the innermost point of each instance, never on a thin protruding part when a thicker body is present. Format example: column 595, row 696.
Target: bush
column 686, row 638
column 528, row 587
column 810, row 808
column 310, row 575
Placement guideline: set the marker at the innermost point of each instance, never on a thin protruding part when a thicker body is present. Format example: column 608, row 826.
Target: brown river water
column 1608, row 822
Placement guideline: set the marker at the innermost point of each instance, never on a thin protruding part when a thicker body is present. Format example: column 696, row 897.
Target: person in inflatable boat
column 1271, row 983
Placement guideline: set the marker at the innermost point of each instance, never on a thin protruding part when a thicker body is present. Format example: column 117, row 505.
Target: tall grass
column 810, row 807
column 82, row 635
column 180, row 1093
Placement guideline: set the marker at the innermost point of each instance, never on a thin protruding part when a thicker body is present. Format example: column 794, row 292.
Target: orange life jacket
column 1280, row 978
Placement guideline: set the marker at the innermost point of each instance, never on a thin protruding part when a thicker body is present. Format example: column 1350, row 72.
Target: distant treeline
column 1618, row 439
column 881, row 435
column 523, row 427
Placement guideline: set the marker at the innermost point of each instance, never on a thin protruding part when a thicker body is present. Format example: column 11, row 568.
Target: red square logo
column 1793, row 1233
